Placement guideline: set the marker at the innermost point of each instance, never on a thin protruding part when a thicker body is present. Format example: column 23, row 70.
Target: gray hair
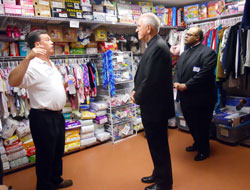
column 152, row 19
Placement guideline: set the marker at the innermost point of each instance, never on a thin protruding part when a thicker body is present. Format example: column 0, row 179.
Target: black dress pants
column 157, row 137
column 198, row 119
column 48, row 132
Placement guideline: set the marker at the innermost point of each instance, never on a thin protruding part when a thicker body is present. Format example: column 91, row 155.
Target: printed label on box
column 183, row 122
column 224, row 132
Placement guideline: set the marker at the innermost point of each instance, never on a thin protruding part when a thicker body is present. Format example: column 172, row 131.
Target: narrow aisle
column 120, row 167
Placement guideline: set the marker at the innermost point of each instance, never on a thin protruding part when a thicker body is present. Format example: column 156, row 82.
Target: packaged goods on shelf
column 28, row 11
column 2, row 11
column 98, row 106
column 29, row 143
column 41, row 2
column 42, row 11
column 55, row 33
column 87, row 135
column 69, row 35
column 72, row 139
column 13, row 9
column 2, row 150
column 4, row 158
column 31, row 151
column 72, row 146
column 61, row 48
column 11, row 141
column 4, row 48
column 103, row 136
column 57, row 4
column 72, row 132
column 191, row 13
column 23, row 48
column 10, row 2
column 99, row 130
column 23, row 129
column 26, row 138
column 86, row 122
column 71, row 124
column 203, row 10
column 59, row 12
column 14, row 51
column 88, row 141
column 6, row 165
column 87, row 129
column 32, row 158
column 211, row 9
column 19, row 162
column 9, row 127
column 180, row 17
column 101, row 119
column 17, row 155
column 98, row 16
column 14, row 148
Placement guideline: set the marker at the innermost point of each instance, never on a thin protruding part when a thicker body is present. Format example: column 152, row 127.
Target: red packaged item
column 31, row 151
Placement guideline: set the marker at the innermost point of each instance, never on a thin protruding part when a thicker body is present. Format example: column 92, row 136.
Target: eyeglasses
column 189, row 35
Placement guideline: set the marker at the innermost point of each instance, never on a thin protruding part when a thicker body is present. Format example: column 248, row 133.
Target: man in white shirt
column 47, row 96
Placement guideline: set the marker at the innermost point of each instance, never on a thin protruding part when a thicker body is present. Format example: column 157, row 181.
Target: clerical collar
column 195, row 45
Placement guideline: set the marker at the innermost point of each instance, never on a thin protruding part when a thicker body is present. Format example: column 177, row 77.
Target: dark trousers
column 1, row 171
column 48, row 132
column 157, row 137
column 198, row 120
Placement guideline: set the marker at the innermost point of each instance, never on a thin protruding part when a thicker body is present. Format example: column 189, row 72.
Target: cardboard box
column 61, row 48
column 87, row 8
column 69, row 35
column 98, row 8
column 73, row 6
column 74, row 13
column 2, row 9
column 191, row 13
column 41, row 2
column 26, row 3
column 111, row 18
column 42, row 11
column 28, row 11
column 13, row 9
column 57, row 4
column 98, row 16
column 4, row 48
column 9, row 2
column 58, row 12
column 55, row 33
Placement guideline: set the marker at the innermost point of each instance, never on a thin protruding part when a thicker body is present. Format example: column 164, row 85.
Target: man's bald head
column 193, row 36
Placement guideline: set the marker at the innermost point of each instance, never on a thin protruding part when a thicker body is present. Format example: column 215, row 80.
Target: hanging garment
column 246, row 15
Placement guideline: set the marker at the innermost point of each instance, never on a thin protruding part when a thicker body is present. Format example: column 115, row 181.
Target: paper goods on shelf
column 103, row 136
column 87, row 129
column 88, row 141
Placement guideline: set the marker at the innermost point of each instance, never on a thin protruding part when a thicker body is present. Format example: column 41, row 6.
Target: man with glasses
column 195, row 81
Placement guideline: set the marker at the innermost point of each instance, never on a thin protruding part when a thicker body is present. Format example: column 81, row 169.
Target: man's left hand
column 182, row 87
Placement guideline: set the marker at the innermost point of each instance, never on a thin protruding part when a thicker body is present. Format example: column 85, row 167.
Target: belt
column 47, row 111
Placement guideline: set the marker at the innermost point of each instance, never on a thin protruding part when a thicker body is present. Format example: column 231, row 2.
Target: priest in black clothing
column 195, row 81
column 154, row 93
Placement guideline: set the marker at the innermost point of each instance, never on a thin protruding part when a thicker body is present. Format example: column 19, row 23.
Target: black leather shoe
column 149, row 179
column 158, row 187
column 191, row 148
column 64, row 184
column 201, row 156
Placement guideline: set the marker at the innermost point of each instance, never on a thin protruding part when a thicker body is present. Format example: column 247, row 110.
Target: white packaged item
column 87, row 135
column 99, row 130
column 6, row 165
column 86, row 122
column 87, row 129
column 103, row 136
column 4, row 158
column 17, row 155
column 98, row 106
column 9, row 128
column 19, row 162
column 101, row 113
column 88, row 141
column 98, row 125
column 22, row 129
column 2, row 150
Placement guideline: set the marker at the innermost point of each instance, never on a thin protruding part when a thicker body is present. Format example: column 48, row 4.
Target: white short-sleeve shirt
column 45, row 85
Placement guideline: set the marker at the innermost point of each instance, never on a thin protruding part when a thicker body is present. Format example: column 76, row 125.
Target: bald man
column 195, row 81
column 154, row 93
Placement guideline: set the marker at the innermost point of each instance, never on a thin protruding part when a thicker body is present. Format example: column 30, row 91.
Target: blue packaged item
column 23, row 48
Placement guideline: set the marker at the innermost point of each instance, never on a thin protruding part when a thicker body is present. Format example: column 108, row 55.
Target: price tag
column 74, row 24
